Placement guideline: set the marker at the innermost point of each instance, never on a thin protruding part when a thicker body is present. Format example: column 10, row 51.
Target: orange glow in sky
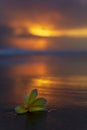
column 37, row 36
column 43, row 32
column 30, row 43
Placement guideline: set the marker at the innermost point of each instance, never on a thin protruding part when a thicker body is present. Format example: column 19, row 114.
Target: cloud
column 59, row 13
column 5, row 33
column 5, row 30
column 16, row 37
column 55, row 14
column 22, row 32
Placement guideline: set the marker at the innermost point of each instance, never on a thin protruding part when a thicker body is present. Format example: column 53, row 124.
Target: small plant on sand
column 31, row 103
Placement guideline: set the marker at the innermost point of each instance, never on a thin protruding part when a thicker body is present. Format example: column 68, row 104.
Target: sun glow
column 40, row 31
column 44, row 30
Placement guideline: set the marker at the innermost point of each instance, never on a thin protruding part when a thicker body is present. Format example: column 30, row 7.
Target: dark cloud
column 73, row 12
column 24, row 34
column 5, row 33
column 27, row 35
column 9, row 34
column 5, row 30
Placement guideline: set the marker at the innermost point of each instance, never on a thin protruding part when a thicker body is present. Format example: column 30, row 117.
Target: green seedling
column 32, row 103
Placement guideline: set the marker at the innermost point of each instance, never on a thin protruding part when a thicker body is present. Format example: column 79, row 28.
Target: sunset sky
column 43, row 24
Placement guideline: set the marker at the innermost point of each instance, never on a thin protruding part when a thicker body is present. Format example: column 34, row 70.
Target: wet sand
column 62, row 82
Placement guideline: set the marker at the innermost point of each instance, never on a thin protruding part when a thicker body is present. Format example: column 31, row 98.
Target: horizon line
column 17, row 51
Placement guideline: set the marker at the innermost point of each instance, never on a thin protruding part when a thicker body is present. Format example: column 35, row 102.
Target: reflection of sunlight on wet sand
column 29, row 69
column 62, row 90
column 42, row 82
column 23, row 78
column 58, row 90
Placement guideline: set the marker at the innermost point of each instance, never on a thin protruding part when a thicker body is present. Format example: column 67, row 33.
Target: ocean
column 60, row 78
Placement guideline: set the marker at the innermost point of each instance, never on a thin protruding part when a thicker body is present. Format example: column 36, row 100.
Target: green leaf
column 32, row 97
column 39, row 101
column 32, row 104
column 20, row 109
column 37, row 108
column 26, row 99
